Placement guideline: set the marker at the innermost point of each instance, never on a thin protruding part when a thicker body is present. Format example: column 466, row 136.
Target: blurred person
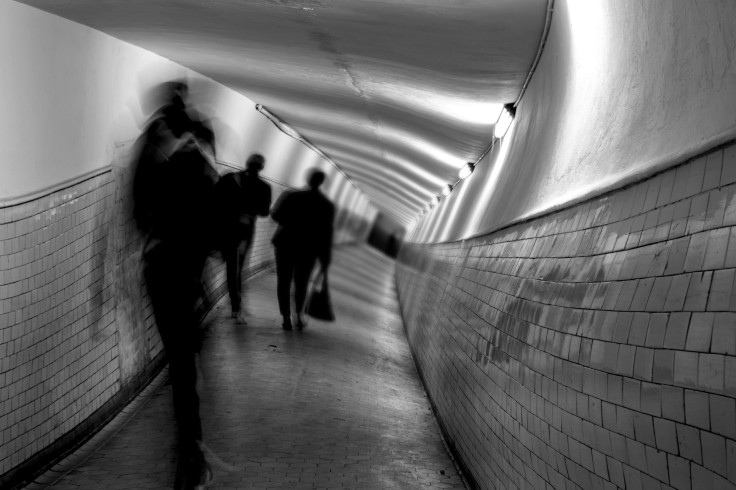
column 242, row 196
column 173, row 190
column 304, row 234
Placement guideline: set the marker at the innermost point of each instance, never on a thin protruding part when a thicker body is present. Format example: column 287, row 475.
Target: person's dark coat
column 305, row 220
column 241, row 196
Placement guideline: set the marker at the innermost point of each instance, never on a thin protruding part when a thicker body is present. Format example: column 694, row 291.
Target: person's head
column 175, row 110
column 179, row 92
column 315, row 178
column 255, row 163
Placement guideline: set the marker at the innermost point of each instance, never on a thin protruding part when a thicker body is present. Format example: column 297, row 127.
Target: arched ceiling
column 399, row 94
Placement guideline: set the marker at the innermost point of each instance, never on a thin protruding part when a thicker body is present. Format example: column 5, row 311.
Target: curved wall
column 594, row 347
column 74, row 98
column 572, row 305
column 77, row 337
column 623, row 89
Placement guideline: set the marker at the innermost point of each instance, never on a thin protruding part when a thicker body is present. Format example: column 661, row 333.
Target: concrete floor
column 338, row 405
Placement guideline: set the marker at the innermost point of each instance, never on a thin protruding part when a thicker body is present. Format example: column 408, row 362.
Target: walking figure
column 173, row 191
column 304, row 234
column 242, row 196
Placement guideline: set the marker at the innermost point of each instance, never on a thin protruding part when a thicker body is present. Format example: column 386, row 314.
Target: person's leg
column 183, row 377
column 284, row 274
column 237, row 297
column 173, row 290
column 190, row 336
column 240, row 249
column 303, row 270
column 246, row 243
column 230, row 254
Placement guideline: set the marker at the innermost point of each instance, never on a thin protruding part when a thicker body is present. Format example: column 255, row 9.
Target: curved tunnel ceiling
column 397, row 93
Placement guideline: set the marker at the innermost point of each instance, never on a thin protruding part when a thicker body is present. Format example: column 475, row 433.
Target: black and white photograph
column 368, row 244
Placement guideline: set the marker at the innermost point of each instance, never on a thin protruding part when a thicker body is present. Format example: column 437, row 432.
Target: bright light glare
column 489, row 186
column 468, row 111
column 417, row 170
column 458, row 206
column 419, row 99
column 503, row 123
column 365, row 166
column 446, row 190
column 465, row 171
column 430, row 150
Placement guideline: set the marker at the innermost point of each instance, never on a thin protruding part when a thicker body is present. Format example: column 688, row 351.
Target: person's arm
column 278, row 213
column 326, row 252
column 265, row 203
column 146, row 172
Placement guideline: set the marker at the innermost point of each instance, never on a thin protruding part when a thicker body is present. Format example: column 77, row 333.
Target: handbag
column 320, row 306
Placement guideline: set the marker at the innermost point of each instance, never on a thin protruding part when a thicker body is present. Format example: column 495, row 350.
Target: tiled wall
column 592, row 348
column 77, row 337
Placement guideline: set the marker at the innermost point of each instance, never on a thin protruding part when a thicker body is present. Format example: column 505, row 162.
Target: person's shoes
column 240, row 319
column 300, row 323
column 193, row 471
column 206, row 477
column 287, row 323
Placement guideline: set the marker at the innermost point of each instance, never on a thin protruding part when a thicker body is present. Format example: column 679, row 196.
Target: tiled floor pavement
column 338, row 405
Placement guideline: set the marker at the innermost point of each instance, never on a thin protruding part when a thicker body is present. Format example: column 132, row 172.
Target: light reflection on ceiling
column 399, row 94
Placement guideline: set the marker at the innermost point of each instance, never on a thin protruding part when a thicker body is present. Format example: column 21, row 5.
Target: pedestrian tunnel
column 337, row 404
column 554, row 183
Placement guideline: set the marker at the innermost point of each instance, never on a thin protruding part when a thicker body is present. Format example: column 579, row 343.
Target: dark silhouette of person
column 173, row 191
column 305, row 218
column 242, row 196
column 392, row 246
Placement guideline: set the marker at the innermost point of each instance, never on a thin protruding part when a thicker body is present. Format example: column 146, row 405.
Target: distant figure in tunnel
column 173, row 193
column 304, row 234
column 242, row 196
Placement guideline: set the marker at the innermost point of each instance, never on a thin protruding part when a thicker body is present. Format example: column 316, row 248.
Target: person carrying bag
column 305, row 229
column 319, row 305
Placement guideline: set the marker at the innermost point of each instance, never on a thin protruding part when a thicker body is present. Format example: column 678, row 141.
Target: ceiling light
column 504, row 121
column 466, row 170
column 446, row 190
column 435, row 200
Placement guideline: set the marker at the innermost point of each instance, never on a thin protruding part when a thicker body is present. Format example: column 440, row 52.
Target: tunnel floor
column 337, row 405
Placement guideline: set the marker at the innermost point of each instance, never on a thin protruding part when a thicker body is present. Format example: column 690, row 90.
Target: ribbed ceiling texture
column 399, row 94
